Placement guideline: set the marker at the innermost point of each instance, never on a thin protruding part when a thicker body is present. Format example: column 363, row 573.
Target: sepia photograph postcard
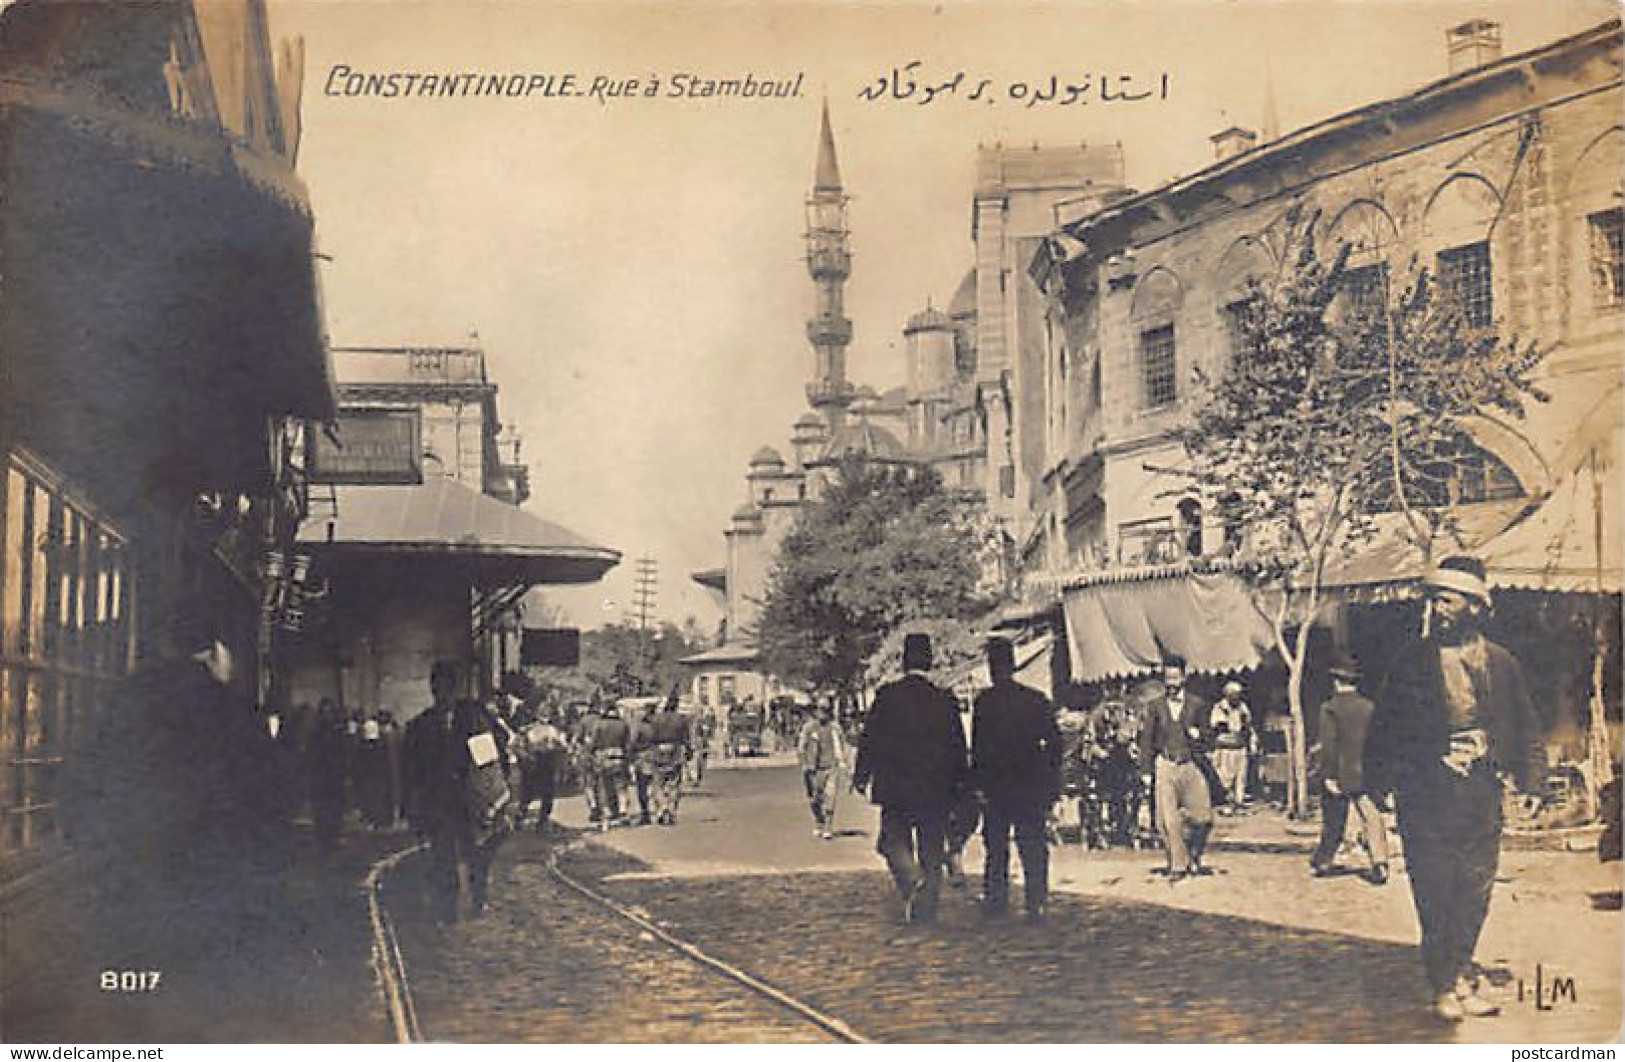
column 813, row 521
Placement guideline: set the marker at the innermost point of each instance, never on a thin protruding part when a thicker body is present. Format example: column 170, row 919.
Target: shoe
column 818, row 831
column 909, row 897
column 1378, row 874
column 1036, row 916
column 826, row 835
column 1472, row 1004
column 1322, row 870
column 1176, row 876
column 1197, row 870
column 1449, row 1008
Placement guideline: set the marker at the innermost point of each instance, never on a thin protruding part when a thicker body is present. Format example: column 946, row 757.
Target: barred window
column 1465, row 273
column 1366, row 289
column 1157, row 366
column 1606, row 286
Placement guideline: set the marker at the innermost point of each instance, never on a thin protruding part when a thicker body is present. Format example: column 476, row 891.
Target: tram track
column 398, row 996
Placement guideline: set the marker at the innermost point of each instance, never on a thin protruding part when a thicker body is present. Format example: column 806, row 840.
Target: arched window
column 1457, row 228
column 1370, row 235
column 1247, row 264
column 1157, row 300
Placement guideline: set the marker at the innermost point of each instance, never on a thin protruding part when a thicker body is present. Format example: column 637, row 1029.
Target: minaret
column 829, row 263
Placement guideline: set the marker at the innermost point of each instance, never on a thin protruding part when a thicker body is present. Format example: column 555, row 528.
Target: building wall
column 1486, row 167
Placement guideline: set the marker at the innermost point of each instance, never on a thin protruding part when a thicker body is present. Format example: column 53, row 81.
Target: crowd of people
column 1450, row 729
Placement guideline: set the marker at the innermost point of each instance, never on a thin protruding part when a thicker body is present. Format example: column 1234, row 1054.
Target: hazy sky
column 633, row 268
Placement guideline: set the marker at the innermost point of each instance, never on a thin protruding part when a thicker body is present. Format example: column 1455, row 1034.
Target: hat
column 1232, row 686
column 1345, row 667
column 917, row 652
column 1465, row 575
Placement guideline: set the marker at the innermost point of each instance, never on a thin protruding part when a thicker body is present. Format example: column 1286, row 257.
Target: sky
column 632, row 265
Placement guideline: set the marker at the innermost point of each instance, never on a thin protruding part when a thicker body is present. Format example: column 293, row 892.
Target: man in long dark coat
column 1016, row 762
column 911, row 759
column 1345, row 723
column 1454, row 716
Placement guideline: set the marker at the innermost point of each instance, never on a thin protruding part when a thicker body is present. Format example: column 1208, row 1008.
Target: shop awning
column 445, row 519
column 1032, row 668
column 1572, row 542
column 1119, row 629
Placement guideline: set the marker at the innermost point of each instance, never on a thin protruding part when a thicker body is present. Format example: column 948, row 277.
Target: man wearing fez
column 911, row 759
column 1345, row 721
column 1452, row 718
column 1174, row 735
column 1016, row 762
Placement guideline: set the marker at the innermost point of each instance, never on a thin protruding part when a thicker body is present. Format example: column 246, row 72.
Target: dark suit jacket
column 912, row 752
column 1410, row 731
column 437, row 762
column 1016, row 746
column 1161, row 733
column 1345, row 719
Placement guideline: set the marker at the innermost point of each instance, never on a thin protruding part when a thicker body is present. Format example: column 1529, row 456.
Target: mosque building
column 956, row 409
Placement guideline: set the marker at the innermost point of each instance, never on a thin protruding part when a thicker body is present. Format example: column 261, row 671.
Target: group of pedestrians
column 652, row 755
column 914, row 762
column 347, row 762
column 1450, row 725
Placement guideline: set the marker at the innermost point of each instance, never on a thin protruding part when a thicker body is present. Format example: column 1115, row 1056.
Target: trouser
column 1451, row 827
column 642, row 777
column 451, row 848
column 1027, row 819
column 1334, row 813
column 1231, row 767
column 1184, row 811
column 911, row 842
column 539, row 782
column 608, row 776
column 820, row 785
column 668, row 785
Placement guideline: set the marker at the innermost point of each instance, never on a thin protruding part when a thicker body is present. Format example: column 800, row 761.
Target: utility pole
column 643, row 592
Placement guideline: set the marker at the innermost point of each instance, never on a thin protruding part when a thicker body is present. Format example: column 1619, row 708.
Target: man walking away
column 1172, row 739
column 668, row 746
column 911, row 759
column 1453, row 715
column 1016, row 762
column 821, row 750
column 609, row 744
column 1345, row 719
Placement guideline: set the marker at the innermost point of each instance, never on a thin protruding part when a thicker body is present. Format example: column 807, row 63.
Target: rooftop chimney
column 1228, row 143
column 1473, row 43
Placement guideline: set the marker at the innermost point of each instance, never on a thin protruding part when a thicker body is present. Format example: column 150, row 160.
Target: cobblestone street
column 1123, row 957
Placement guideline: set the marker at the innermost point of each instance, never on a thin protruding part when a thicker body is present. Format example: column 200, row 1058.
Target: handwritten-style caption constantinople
column 345, row 81
column 912, row 84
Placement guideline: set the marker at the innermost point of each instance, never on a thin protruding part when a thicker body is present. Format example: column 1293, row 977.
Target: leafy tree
column 882, row 546
column 1327, row 417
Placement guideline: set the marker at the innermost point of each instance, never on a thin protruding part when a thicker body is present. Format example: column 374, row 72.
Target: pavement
column 1260, row 934
column 248, row 952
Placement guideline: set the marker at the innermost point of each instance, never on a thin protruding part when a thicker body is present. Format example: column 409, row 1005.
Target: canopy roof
column 1115, row 630
column 446, row 519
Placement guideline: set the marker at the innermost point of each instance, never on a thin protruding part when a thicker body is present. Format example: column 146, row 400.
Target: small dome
column 964, row 301
column 766, row 456
column 928, row 320
column 747, row 513
column 810, row 420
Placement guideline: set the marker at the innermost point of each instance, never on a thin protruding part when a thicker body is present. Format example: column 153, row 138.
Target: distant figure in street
column 1231, row 724
column 911, row 759
column 1016, row 762
column 821, row 751
column 1345, row 720
column 1454, row 714
column 964, row 817
column 1174, row 735
column 607, row 740
column 456, row 763
column 325, row 767
column 667, row 746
